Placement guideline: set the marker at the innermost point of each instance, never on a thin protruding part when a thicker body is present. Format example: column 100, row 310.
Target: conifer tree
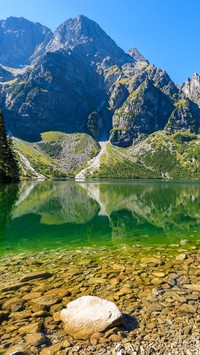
column 9, row 169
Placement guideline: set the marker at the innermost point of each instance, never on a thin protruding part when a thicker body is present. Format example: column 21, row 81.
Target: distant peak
column 83, row 18
column 11, row 22
column 80, row 19
column 12, row 19
column 136, row 55
column 195, row 75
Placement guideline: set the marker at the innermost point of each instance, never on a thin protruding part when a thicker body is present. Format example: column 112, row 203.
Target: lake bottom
column 156, row 288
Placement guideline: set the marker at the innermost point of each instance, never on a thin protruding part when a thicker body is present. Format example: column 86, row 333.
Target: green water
column 56, row 214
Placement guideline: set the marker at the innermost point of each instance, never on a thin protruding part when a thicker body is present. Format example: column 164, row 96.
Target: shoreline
column 156, row 290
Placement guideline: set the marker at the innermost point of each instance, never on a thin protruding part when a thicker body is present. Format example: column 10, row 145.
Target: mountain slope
column 80, row 83
column 56, row 155
column 19, row 39
column 160, row 155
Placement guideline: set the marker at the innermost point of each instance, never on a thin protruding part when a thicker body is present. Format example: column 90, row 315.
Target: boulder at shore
column 88, row 315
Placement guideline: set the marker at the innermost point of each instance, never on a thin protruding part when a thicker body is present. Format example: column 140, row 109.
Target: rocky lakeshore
column 157, row 290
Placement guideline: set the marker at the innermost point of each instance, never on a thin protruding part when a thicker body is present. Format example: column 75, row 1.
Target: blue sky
column 166, row 32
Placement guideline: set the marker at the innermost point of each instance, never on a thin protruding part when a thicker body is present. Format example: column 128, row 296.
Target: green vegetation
column 9, row 169
column 52, row 136
column 42, row 163
column 185, row 117
column 118, row 163
column 53, row 149
column 182, row 137
column 58, row 155
column 161, row 155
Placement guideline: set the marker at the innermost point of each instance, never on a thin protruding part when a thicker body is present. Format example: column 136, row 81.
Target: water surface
column 57, row 214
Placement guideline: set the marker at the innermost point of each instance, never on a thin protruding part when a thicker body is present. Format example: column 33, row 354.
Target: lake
column 135, row 243
column 67, row 214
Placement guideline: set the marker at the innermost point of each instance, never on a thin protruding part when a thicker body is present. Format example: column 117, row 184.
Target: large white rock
column 88, row 315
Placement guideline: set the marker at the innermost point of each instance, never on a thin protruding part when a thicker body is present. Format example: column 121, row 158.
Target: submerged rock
column 36, row 275
column 88, row 315
column 17, row 350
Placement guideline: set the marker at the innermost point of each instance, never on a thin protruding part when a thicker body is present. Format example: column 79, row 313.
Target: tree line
column 9, row 168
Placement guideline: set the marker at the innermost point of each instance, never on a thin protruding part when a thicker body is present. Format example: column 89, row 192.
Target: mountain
column 191, row 88
column 19, row 39
column 137, row 56
column 146, row 110
column 79, row 82
column 89, row 40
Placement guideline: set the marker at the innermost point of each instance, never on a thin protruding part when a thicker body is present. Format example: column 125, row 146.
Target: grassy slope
column 57, row 155
column 42, row 163
column 159, row 156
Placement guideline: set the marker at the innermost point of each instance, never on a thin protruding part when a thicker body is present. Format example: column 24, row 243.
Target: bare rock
column 30, row 328
column 187, row 308
column 13, row 287
column 36, row 275
column 181, row 257
column 17, row 350
column 193, row 287
column 14, row 304
column 46, row 300
column 35, row 339
column 88, row 315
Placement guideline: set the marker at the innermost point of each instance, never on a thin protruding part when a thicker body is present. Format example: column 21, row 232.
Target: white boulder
column 88, row 315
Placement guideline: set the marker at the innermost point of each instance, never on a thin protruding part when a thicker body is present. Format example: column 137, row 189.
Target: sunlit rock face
column 191, row 88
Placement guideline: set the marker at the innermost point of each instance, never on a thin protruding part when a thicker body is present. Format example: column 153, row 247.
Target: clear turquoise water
column 56, row 214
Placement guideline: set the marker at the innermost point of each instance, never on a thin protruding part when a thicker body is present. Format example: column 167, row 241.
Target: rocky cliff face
column 79, row 80
column 191, row 88
column 185, row 116
column 19, row 38
column 146, row 110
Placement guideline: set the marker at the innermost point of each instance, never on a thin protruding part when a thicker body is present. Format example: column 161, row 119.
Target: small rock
column 56, row 317
column 115, row 337
column 36, row 275
column 153, row 307
column 13, row 287
column 193, row 287
column 32, row 295
column 13, row 304
column 88, row 315
column 17, row 350
column 30, row 328
column 181, row 257
column 35, row 339
column 59, row 292
column 47, row 300
column 184, row 242
column 187, row 308
column 158, row 274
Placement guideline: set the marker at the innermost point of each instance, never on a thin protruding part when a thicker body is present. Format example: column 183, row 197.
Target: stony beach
column 157, row 290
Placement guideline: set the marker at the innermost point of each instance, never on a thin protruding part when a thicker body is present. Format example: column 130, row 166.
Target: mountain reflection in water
column 52, row 214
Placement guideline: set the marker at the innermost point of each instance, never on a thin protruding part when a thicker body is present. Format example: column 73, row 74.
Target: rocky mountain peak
column 136, row 55
column 21, row 37
column 90, row 38
column 191, row 88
